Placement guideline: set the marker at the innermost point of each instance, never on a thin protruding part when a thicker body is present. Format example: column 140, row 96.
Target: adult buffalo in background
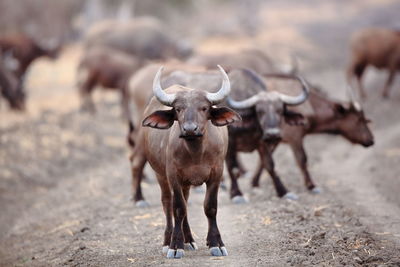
column 145, row 38
column 109, row 68
column 346, row 119
column 17, row 53
column 263, row 112
column 377, row 47
column 23, row 50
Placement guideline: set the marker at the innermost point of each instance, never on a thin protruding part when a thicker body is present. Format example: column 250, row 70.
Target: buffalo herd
column 188, row 112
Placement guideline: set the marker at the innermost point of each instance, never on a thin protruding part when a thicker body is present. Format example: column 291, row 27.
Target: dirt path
column 65, row 178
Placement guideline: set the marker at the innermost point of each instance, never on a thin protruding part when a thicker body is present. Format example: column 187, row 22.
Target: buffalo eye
column 204, row 109
column 178, row 110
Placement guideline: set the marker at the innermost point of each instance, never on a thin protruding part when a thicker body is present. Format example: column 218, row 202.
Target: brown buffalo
column 376, row 47
column 263, row 114
column 189, row 152
column 330, row 117
column 145, row 38
column 25, row 50
column 108, row 68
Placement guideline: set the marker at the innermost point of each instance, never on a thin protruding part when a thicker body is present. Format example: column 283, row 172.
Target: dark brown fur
column 189, row 152
column 329, row 117
column 108, row 68
column 25, row 50
column 10, row 89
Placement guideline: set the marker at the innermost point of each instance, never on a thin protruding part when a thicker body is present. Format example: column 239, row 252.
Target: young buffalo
column 189, row 152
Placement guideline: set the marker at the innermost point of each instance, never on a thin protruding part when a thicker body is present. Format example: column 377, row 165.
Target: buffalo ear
column 294, row 118
column 223, row 116
column 160, row 119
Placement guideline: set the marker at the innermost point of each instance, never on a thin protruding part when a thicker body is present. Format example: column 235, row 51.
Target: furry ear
column 160, row 119
column 223, row 116
column 294, row 118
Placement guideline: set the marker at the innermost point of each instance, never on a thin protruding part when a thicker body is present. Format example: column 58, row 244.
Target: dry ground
column 65, row 178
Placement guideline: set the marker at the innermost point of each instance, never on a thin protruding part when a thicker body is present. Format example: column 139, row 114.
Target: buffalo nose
column 272, row 134
column 190, row 128
column 369, row 143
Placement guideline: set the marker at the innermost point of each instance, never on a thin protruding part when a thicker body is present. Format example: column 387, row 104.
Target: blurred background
column 62, row 169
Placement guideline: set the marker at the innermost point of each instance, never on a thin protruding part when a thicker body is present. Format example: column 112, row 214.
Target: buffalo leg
column 255, row 180
column 166, row 200
column 266, row 158
column 189, row 240
column 214, row 241
column 301, row 159
column 389, row 81
column 85, row 91
column 179, row 210
column 138, row 161
column 232, row 163
column 358, row 71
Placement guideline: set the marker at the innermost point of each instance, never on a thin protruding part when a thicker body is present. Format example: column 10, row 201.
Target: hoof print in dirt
column 191, row 246
column 218, row 251
column 290, row 196
column 239, row 200
column 142, row 204
column 165, row 249
column 175, row 254
column 316, row 190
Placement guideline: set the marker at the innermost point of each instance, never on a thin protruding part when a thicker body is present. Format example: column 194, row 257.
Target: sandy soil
column 65, row 177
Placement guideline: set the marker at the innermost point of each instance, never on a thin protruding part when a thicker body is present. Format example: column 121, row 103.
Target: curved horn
column 223, row 92
column 353, row 100
column 249, row 102
column 159, row 93
column 296, row 100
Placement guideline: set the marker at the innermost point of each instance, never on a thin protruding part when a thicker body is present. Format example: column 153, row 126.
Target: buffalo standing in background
column 145, row 38
column 376, row 47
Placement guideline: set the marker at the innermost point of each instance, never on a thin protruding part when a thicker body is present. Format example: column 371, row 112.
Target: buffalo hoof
column 175, row 254
column 316, row 190
column 218, row 251
column 191, row 246
column 165, row 249
column 199, row 189
column 291, row 196
column 239, row 200
column 142, row 204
